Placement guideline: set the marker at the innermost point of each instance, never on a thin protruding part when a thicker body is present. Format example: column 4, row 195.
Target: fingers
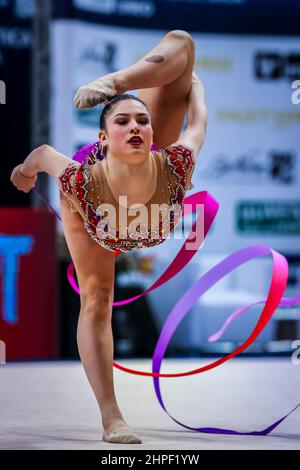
column 195, row 78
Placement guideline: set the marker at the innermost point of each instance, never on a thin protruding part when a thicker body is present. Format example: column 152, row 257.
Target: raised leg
column 167, row 103
column 164, row 77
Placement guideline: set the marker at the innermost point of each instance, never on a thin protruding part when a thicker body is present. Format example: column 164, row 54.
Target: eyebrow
column 126, row 114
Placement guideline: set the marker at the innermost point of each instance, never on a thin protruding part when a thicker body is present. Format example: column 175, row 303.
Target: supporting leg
column 95, row 269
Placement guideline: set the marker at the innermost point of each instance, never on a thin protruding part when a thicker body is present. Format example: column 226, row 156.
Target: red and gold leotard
column 86, row 188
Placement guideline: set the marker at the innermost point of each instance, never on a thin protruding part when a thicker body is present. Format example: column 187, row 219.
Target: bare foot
column 99, row 91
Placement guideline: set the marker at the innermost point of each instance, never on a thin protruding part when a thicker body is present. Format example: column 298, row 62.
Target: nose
column 135, row 128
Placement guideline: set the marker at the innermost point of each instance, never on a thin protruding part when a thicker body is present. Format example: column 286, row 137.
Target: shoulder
column 179, row 161
column 180, row 152
column 66, row 175
column 66, row 182
column 178, row 146
column 193, row 139
column 75, row 176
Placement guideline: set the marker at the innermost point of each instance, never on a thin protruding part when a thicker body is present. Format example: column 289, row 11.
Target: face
column 127, row 119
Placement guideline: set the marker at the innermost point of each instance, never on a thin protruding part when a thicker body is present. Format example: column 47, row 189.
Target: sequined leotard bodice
column 86, row 188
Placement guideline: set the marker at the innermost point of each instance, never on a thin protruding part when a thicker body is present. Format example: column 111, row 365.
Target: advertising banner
column 28, row 294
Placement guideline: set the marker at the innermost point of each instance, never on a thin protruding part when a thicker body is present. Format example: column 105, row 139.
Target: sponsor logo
column 100, row 52
column 270, row 65
column 137, row 8
column 12, row 247
column 268, row 217
column 282, row 167
column 253, row 167
column 97, row 6
column 276, row 118
column 215, row 64
column 13, row 38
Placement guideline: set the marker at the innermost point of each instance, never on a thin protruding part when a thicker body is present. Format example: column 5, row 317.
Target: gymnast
column 140, row 160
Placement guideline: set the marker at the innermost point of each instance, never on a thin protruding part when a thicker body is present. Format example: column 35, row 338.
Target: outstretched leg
column 164, row 75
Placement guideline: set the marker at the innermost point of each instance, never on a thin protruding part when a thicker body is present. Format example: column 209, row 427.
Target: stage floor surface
column 50, row 405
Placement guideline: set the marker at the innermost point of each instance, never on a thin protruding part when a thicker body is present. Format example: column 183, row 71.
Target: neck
column 134, row 176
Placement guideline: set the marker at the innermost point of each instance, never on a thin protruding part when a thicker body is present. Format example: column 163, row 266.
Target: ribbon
column 203, row 284
column 202, row 200
column 286, row 302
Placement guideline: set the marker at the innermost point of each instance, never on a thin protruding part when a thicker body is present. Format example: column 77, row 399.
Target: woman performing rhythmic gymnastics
column 101, row 190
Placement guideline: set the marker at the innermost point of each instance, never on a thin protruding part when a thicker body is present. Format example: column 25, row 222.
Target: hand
column 196, row 82
column 22, row 182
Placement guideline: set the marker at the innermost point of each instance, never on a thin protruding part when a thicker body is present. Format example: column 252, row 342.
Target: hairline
column 112, row 104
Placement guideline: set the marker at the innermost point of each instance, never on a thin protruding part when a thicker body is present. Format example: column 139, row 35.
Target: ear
column 102, row 137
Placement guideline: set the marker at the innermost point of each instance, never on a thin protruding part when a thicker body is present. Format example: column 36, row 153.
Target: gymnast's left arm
column 197, row 116
column 42, row 159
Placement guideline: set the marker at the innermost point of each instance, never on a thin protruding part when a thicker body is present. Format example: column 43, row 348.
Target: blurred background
column 248, row 57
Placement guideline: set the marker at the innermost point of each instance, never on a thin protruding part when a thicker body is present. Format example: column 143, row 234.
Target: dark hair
column 111, row 103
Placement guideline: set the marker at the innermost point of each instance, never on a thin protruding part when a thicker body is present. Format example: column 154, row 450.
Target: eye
column 143, row 122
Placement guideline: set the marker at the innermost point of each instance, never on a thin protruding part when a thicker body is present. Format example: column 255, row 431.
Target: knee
column 96, row 302
column 184, row 35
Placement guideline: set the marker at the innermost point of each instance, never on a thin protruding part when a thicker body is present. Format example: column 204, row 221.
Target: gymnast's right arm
column 42, row 159
column 197, row 116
